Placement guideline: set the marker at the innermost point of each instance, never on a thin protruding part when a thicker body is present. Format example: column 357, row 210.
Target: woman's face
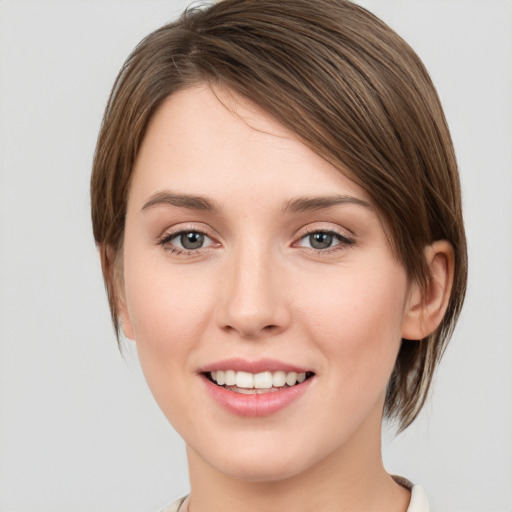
column 249, row 258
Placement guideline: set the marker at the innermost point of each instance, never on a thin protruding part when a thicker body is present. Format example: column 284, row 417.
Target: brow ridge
column 304, row 204
column 188, row 201
column 298, row 205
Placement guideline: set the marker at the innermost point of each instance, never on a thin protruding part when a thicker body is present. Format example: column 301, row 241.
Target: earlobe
column 126, row 324
column 426, row 307
column 122, row 308
column 124, row 317
column 112, row 268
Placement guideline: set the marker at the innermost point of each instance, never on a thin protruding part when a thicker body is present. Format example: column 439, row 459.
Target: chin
column 261, row 470
column 264, row 461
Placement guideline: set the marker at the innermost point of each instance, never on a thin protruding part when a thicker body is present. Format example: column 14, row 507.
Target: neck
column 351, row 479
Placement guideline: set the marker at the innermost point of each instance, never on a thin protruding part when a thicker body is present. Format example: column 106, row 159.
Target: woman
column 276, row 202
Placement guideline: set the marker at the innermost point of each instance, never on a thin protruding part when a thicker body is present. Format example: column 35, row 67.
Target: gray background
column 78, row 429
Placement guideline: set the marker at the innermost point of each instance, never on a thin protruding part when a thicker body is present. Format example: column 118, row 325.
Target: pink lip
column 254, row 405
column 261, row 365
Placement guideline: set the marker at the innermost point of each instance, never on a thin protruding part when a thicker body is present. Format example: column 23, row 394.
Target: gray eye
column 192, row 240
column 321, row 240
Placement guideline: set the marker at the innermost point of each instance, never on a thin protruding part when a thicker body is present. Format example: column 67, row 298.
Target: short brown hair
column 350, row 88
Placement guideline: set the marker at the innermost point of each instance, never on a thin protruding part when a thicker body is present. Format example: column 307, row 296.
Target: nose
column 253, row 304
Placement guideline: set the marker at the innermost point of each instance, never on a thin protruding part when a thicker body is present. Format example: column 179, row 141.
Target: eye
column 186, row 241
column 323, row 240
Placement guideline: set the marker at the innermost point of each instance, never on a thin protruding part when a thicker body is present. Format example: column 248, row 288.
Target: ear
column 124, row 316
column 112, row 268
column 425, row 309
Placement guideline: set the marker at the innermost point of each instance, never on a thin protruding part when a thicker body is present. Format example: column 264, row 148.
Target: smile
column 257, row 383
column 256, row 388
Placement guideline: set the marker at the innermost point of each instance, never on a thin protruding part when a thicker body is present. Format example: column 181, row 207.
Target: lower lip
column 255, row 405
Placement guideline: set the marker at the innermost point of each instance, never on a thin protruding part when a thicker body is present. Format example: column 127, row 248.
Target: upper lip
column 258, row 366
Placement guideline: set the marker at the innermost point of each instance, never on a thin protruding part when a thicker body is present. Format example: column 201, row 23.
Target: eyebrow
column 298, row 205
column 304, row 204
column 190, row 202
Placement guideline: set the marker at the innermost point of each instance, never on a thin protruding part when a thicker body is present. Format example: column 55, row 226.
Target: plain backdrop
column 79, row 431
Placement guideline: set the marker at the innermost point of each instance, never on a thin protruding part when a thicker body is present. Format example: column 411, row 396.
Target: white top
column 418, row 503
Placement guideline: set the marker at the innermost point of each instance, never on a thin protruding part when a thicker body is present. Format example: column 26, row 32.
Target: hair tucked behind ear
column 350, row 88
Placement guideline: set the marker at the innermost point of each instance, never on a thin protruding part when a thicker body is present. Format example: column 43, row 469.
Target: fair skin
column 244, row 248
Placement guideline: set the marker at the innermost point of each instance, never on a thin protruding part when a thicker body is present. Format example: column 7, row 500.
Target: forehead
column 215, row 142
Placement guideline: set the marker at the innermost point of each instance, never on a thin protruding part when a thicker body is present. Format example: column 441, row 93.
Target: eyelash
column 343, row 241
column 165, row 241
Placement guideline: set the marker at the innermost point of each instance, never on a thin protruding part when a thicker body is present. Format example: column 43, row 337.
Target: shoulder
column 173, row 507
column 419, row 500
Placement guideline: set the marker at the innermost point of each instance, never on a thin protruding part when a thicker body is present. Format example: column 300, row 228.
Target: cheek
column 169, row 306
column 168, row 310
column 169, row 314
column 356, row 319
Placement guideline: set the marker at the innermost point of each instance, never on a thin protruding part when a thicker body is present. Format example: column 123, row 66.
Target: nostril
column 251, row 331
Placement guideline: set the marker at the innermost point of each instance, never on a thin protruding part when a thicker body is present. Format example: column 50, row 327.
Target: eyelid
column 178, row 234
column 343, row 239
column 165, row 238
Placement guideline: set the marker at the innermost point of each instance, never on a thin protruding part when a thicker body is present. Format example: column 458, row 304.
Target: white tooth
column 244, row 380
column 230, row 376
column 278, row 379
column 301, row 377
column 252, row 391
column 262, row 391
column 263, row 380
column 291, row 378
column 214, row 376
column 221, row 378
column 247, row 391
